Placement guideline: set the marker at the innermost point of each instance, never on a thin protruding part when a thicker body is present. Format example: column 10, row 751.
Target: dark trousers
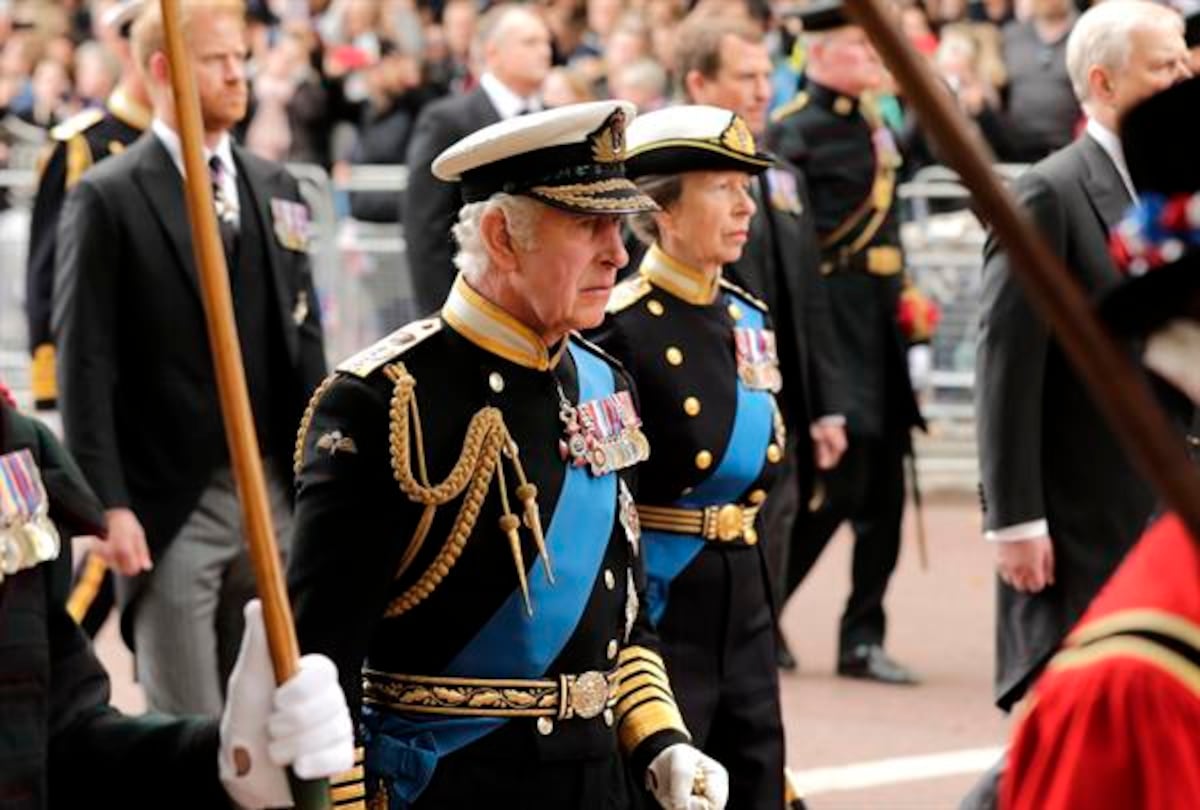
column 718, row 640
column 463, row 781
column 867, row 489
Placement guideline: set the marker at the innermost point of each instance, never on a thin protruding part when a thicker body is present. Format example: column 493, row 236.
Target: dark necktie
column 227, row 215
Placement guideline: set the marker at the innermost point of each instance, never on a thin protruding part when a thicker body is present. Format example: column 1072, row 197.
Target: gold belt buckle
column 727, row 522
column 883, row 261
column 586, row 695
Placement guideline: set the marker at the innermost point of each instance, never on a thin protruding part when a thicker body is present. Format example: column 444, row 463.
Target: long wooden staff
column 231, row 381
column 1117, row 385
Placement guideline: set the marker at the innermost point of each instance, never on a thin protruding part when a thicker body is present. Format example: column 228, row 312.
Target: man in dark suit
column 515, row 48
column 835, row 134
column 1061, row 500
column 139, row 400
column 724, row 61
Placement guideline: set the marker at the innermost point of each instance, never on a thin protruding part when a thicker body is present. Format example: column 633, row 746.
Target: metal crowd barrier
column 943, row 243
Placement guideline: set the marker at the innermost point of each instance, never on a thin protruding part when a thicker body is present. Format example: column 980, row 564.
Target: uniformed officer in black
column 702, row 354
column 835, row 135
column 79, row 142
column 62, row 745
column 466, row 545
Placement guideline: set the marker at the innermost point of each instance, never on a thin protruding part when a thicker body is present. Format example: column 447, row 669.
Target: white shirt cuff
column 832, row 420
column 1018, row 531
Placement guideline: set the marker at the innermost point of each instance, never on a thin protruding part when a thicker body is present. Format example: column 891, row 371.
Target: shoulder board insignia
column 628, row 293
column 794, row 106
column 77, row 124
column 390, row 347
column 596, row 350
column 749, row 298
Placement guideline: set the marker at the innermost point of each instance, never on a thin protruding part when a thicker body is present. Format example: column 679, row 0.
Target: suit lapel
column 482, row 109
column 159, row 180
column 1103, row 184
column 257, row 186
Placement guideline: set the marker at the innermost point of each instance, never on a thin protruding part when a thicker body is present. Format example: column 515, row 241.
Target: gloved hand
column 304, row 723
column 683, row 778
column 920, row 366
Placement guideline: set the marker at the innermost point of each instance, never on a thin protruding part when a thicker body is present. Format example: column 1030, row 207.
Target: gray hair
column 664, row 189
column 520, row 217
column 1101, row 37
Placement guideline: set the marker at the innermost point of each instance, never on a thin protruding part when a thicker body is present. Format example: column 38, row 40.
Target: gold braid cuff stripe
column 646, row 720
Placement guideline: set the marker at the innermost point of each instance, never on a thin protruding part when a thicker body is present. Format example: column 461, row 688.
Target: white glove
column 303, row 724
column 683, row 778
column 920, row 366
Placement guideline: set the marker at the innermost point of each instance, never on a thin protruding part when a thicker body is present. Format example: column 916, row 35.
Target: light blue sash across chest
column 666, row 554
column 512, row 644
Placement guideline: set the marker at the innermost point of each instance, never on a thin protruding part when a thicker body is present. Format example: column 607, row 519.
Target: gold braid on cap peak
column 486, row 441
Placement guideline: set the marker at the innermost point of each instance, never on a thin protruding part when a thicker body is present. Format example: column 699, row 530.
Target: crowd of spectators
column 341, row 82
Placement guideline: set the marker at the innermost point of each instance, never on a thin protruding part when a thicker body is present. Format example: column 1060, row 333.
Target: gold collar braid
column 487, row 439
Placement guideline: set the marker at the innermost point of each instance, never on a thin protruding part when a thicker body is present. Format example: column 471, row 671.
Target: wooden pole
column 231, row 378
column 1118, row 386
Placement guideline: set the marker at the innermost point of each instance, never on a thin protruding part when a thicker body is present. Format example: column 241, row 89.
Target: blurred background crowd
column 341, row 82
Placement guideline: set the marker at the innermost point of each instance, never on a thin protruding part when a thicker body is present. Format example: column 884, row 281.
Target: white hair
column 1101, row 37
column 520, row 217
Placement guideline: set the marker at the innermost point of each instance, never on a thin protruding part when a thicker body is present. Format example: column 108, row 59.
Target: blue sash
column 511, row 644
column 667, row 554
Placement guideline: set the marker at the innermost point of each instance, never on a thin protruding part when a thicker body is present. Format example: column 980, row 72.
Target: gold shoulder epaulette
column 77, row 124
column 750, row 298
column 390, row 347
column 795, row 105
column 596, row 350
column 628, row 293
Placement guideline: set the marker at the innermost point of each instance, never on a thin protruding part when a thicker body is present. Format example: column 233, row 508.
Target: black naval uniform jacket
column 139, row 397
column 830, row 139
column 61, row 744
column 673, row 328
column 354, row 525
column 79, row 142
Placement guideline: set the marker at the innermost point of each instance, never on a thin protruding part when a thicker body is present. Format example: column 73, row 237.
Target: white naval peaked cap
column 570, row 157
column 692, row 137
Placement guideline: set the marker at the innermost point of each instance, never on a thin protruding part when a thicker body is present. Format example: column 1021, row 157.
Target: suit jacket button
column 612, row 649
column 674, row 356
column 703, row 460
column 496, row 382
column 545, row 726
column 610, row 579
column 655, row 306
column 691, row 406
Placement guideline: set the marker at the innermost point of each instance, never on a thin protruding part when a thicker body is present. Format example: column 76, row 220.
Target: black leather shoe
column 783, row 654
column 870, row 662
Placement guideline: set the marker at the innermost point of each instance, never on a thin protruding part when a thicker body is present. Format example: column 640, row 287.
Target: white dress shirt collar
column 507, row 103
column 224, row 152
column 1111, row 145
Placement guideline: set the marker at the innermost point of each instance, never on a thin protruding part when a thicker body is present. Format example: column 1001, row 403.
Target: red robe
column 1115, row 720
